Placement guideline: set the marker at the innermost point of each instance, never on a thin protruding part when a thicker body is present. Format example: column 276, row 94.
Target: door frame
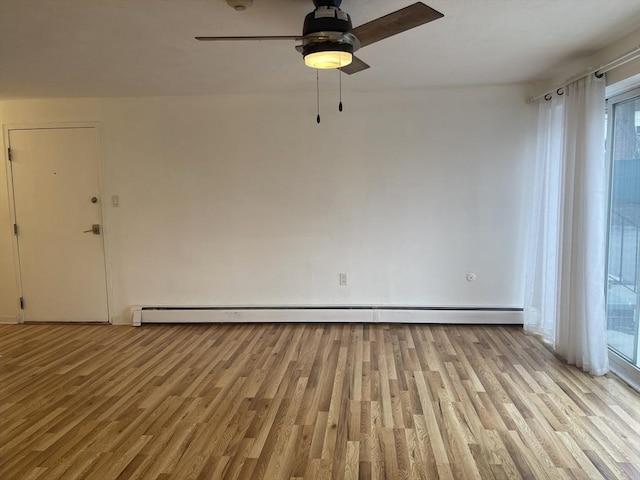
column 620, row 366
column 97, row 126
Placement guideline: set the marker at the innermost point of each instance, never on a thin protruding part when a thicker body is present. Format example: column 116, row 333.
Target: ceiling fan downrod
column 327, row 3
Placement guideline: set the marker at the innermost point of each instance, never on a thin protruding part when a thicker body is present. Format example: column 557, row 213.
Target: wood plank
column 305, row 402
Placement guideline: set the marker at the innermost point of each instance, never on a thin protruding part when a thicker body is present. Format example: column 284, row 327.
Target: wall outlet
column 343, row 278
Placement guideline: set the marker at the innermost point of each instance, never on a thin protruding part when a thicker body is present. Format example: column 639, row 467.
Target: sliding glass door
column 623, row 287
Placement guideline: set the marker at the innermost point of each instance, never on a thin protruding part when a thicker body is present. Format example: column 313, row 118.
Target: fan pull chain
column 340, row 104
column 318, row 95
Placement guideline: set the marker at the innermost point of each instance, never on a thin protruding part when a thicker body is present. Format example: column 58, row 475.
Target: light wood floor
column 305, row 401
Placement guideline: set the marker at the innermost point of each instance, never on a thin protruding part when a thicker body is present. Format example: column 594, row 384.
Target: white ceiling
column 71, row 48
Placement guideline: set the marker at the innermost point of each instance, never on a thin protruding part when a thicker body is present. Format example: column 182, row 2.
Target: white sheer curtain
column 565, row 282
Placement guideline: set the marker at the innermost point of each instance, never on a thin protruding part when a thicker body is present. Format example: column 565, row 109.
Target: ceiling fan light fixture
column 328, row 55
column 328, row 59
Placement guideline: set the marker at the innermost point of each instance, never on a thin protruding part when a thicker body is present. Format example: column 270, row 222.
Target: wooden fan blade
column 355, row 66
column 396, row 22
column 226, row 39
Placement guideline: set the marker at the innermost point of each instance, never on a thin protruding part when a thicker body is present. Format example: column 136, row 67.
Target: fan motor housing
column 326, row 46
column 327, row 19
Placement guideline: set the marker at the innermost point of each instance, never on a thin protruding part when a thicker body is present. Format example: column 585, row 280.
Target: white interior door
column 57, row 199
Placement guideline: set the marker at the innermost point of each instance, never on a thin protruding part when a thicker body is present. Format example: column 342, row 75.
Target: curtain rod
column 621, row 60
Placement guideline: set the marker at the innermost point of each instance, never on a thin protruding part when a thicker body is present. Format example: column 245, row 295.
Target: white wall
column 244, row 200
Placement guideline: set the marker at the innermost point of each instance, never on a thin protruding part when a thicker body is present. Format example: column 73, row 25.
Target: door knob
column 95, row 229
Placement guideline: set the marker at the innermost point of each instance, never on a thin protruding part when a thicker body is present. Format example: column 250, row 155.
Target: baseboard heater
column 326, row 314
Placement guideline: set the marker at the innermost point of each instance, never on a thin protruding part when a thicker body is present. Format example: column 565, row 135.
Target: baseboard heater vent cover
column 326, row 314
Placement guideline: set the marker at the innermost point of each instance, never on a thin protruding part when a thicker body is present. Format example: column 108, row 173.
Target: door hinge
column 21, row 303
column 15, row 228
column 9, row 153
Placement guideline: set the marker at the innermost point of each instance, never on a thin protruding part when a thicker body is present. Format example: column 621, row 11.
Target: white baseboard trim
column 9, row 319
column 339, row 314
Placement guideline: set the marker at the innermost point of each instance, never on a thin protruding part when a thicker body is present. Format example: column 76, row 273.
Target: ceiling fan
column 329, row 40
